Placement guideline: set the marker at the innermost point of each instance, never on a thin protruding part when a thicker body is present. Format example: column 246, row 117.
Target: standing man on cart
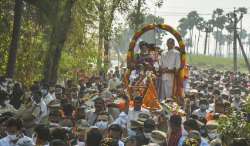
column 169, row 66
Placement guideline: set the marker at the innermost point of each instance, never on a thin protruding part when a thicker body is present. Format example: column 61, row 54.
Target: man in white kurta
column 169, row 65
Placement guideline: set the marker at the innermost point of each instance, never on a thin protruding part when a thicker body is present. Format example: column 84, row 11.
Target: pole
column 243, row 53
column 235, row 41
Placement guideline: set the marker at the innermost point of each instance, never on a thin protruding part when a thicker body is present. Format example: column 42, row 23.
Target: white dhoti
column 169, row 60
column 166, row 87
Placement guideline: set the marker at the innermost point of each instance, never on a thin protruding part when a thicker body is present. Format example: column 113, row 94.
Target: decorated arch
column 182, row 72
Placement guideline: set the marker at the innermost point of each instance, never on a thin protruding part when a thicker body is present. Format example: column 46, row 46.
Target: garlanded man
column 169, row 66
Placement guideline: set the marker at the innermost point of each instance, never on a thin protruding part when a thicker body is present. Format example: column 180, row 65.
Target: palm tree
column 189, row 43
column 183, row 26
column 222, row 42
column 243, row 36
column 219, row 21
column 208, row 26
column 192, row 19
column 229, row 37
column 199, row 26
column 229, row 40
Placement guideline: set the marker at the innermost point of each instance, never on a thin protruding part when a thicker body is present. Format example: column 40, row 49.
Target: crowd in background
column 98, row 111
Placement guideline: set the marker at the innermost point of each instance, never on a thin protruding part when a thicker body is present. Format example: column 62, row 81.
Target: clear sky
column 174, row 10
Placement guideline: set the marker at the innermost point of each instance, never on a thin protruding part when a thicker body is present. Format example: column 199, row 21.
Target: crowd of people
column 100, row 111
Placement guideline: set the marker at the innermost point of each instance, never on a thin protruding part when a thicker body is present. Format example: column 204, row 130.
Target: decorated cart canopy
column 182, row 73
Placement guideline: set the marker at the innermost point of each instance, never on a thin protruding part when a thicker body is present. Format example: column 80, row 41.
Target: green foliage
column 79, row 60
column 246, row 106
column 137, row 14
column 122, row 39
column 243, row 34
column 32, row 49
column 248, row 39
column 6, row 8
column 218, row 35
column 183, row 26
column 193, row 19
column 80, row 48
column 193, row 23
column 219, row 63
column 234, row 126
column 153, row 36
column 242, row 10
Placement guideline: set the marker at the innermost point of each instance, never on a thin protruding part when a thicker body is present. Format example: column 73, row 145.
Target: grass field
column 218, row 63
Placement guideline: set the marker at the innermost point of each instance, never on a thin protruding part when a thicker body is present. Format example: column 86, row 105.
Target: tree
column 79, row 48
column 58, row 16
column 15, row 38
column 187, row 24
column 153, row 36
column 80, row 51
column 106, row 12
column 229, row 40
column 222, row 41
column 219, row 21
column 137, row 15
column 192, row 18
column 243, row 35
column 188, row 43
column 31, row 46
column 208, row 26
column 183, row 26
column 200, row 27
column 122, row 39
column 6, row 8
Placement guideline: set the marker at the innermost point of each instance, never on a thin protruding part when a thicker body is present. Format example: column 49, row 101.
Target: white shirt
column 122, row 120
column 113, row 83
column 170, row 59
column 48, row 98
column 24, row 140
column 80, row 143
column 40, row 112
column 200, row 114
column 133, row 115
column 121, row 143
column 236, row 105
column 134, row 74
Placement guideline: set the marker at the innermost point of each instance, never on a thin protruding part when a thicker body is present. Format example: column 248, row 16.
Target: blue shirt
column 6, row 142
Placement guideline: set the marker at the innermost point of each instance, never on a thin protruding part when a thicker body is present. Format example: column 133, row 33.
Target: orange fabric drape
column 150, row 100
